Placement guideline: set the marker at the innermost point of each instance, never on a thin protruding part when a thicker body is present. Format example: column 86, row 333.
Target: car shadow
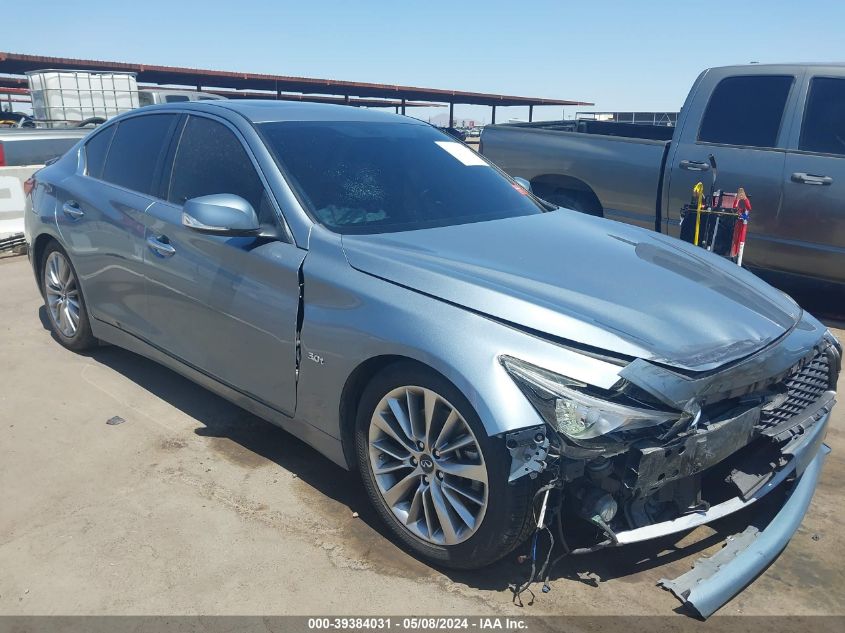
column 224, row 420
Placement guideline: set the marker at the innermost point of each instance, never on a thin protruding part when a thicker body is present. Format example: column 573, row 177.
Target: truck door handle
column 694, row 165
column 71, row 209
column 161, row 246
column 811, row 179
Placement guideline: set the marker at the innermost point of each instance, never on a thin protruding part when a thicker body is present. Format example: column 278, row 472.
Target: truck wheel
column 433, row 474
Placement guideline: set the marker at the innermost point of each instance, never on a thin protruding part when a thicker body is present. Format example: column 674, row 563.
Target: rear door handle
column 811, row 179
column 694, row 165
column 161, row 246
column 71, row 209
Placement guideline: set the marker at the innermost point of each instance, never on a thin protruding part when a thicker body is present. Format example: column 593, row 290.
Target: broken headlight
column 568, row 408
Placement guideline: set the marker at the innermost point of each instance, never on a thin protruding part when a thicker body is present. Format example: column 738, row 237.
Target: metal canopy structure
column 18, row 88
column 279, row 86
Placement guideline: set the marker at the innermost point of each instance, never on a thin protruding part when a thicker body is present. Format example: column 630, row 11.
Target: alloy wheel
column 62, row 290
column 428, row 465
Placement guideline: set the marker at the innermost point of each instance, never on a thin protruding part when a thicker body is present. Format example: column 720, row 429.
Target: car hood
column 591, row 281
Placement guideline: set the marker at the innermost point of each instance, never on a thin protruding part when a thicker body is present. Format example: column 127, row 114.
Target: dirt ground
column 193, row 506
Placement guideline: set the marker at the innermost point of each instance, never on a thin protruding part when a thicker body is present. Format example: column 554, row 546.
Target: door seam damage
column 300, row 318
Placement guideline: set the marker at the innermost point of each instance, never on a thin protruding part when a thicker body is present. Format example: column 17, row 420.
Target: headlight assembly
column 567, row 408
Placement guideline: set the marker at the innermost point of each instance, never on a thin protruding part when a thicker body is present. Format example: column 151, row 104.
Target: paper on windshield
column 463, row 153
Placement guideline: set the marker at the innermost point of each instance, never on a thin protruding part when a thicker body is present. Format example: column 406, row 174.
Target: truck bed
column 26, row 146
column 624, row 172
column 604, row 128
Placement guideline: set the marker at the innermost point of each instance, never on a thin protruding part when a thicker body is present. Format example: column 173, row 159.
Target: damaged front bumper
column 713, row 581
column 802, row 455
column 758, row 426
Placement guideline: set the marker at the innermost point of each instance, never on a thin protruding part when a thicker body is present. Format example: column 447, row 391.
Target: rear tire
column 66, row 310
column 481, row 521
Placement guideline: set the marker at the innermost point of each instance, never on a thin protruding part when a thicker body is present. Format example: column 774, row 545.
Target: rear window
column 746, row 111
column 96, row 150
column 823, row 129
column 135, row 151
column 365, row 177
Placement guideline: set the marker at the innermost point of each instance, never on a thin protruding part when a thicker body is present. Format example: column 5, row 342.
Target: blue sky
column 621, row 55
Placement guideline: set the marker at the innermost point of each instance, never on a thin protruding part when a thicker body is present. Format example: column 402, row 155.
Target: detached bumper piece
column 713, row 581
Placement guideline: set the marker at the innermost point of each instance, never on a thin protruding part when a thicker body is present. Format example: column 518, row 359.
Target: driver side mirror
column 220, row 214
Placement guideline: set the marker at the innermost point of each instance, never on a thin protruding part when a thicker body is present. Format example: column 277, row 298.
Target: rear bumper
column 715, row 580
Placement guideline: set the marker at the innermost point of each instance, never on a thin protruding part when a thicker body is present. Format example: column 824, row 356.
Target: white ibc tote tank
column 65, row 97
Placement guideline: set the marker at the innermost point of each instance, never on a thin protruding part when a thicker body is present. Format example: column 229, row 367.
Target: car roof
column 268, row 110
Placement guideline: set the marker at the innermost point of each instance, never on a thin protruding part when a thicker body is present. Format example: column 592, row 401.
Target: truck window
column 746, row 110
column 823, row 129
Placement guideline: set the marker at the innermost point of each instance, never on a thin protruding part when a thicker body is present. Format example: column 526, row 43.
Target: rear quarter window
column 96, row 151
column 746, row 110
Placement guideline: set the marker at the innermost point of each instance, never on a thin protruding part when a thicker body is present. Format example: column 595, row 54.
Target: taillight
column 29, row 185
column 2, row 156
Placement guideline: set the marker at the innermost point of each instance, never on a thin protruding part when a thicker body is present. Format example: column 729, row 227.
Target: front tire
column 433, row 474
column 63, row 300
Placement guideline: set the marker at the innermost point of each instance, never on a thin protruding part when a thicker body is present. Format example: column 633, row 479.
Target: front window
column 746, row 111
column 362, row 177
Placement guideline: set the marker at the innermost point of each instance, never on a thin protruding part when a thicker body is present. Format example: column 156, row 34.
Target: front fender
column 350, row 317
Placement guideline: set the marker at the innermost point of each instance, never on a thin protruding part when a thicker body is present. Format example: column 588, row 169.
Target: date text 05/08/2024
column 418, row 623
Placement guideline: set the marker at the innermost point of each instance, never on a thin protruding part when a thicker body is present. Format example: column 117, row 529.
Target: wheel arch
column 39, row 245
column 549, row 184
column 353, row 389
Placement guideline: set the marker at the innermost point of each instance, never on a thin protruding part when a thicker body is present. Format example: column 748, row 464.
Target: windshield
column 362, row 177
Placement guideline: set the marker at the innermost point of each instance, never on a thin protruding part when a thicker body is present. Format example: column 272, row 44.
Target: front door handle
column 71, row 209
column 694, row 165
column 811, row 179
column 161, row 246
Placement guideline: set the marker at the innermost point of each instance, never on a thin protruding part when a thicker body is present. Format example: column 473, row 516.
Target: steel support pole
column 403, row 106
column 494, row 115
column 451, row 114
column 530, row 113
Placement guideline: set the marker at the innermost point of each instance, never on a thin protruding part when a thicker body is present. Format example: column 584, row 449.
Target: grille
column 805, row 384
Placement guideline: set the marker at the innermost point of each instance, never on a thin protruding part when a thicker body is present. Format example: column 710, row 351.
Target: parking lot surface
column 193, row 506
